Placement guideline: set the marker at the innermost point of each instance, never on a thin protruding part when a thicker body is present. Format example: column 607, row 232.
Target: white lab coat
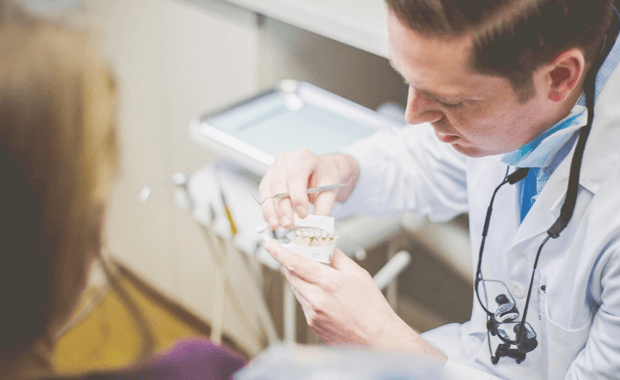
column 577, row 318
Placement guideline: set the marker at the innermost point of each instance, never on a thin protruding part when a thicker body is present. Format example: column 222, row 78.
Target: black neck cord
column 568, row 207
column 513, row 178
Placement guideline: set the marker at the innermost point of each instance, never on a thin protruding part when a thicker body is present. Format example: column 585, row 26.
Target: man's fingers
column 269, row 211
column 323, row 202
column 292, row 174
column 279, row 185
column 269, row 214
column 285, row 212
column 305, row 164
column 305, row 305
column 304, row 268
column 300, row 286
column 342, row 262
column 297, row 187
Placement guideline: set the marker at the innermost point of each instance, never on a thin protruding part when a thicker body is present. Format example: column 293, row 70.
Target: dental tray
column 291, row 116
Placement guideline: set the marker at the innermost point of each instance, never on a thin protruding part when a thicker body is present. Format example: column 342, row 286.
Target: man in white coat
column 494, row 87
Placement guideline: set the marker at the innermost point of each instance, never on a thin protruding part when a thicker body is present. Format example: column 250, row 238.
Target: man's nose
column 421, row 109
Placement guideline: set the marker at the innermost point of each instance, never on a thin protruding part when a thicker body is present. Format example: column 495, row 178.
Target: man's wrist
column 398, row 335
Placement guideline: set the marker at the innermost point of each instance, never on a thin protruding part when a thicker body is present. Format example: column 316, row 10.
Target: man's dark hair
column 512, row 38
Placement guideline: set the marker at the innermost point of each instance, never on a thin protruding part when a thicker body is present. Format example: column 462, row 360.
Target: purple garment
column 187, row 359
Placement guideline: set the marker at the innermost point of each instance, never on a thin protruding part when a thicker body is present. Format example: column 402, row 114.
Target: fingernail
column 273, row 223
column 284, row 221
column 301, row 211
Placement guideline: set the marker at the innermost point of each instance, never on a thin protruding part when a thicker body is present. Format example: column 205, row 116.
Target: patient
column 57, row 163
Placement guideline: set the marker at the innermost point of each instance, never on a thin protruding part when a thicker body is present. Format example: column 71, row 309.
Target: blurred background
column 178, row 59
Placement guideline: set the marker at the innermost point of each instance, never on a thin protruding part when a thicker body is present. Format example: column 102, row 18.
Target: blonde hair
column 57, row 162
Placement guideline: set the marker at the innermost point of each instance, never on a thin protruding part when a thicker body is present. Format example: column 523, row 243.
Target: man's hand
column 343, row 306
column 296, row 172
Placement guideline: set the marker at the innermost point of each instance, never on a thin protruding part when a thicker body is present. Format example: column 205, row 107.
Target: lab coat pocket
column 560, row 346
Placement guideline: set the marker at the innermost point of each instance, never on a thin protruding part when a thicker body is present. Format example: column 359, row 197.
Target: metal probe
column 312, row 190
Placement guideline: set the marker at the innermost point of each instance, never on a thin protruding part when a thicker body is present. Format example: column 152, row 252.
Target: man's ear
column 565, row 74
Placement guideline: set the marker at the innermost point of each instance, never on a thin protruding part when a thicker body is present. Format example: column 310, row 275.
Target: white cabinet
column 357, row 23
column 173, row 60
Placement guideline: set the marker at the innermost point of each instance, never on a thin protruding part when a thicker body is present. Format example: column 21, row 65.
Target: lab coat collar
column 601, row 152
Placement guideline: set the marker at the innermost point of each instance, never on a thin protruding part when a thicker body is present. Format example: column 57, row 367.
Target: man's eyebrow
column 432, row 96
column 426, row 93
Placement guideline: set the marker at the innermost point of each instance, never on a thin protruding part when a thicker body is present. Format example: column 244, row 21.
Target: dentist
column 515, row 107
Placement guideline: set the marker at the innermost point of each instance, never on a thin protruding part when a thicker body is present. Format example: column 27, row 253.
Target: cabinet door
column 173, row 61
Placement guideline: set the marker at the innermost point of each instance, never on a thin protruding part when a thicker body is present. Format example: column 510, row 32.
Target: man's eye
column 453, row 105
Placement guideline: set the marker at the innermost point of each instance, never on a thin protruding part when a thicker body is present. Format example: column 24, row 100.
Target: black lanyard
column 590, row 88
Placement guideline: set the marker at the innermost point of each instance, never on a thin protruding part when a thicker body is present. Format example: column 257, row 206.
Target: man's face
column 477, row 114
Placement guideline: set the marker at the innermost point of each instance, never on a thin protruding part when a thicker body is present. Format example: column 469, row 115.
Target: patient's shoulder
column 190, row 358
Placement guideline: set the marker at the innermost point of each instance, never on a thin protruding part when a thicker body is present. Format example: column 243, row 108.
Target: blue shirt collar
column 540, row 151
